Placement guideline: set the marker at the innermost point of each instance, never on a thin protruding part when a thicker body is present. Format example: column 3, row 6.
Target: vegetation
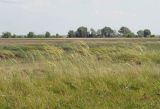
column 47, row 35
column 6, row 35
column 147, row 33
column 107, row 32
column 30, row 35
column 119, row 75
column 83, row 32
column 140, row 33
column 126, row 32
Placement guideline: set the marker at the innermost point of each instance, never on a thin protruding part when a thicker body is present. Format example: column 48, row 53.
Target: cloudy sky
column 22, row 16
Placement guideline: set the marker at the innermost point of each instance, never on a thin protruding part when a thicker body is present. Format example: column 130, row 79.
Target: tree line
column 107, row 32
column 30, row 35
column 83, row 32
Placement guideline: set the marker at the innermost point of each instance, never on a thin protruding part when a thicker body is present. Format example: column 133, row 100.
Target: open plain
column 115, row 73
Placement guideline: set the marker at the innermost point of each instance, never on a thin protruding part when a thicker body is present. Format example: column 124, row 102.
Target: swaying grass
column 80, row 76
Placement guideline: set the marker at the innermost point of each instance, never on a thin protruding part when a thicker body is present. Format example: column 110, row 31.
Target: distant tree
column 99, row 33
column 147, row 33
column 71, row 33
column 107, row 32
column 57, row 35
column 30, row 35
column 47, row 35
column 129, row 35
column 152, row 36
column 14, row 36
column 140, row 33
column 6, row 35
column 53, row 36
column 19, row 36
column 126, row 32
column 39, row 36
column 116, row 33
column 82, row 32
column 93, row 33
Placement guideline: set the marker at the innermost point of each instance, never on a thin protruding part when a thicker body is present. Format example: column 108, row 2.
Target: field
column 80, row 73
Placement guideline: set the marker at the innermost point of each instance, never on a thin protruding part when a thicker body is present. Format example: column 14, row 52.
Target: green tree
column 6, row 35
column 140, row 33
column 58, row 36
column 126, row 32
column 129, row 35
column 99, row 33
column 47, row 35
column 116, row 33
column 82, row 32
column 14, row 36
column 30, row 35
column 147, row 33
column 107, row 32
column 93, row 33
column 71, row 33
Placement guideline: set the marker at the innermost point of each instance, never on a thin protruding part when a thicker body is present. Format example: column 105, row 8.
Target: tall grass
column 80, row 76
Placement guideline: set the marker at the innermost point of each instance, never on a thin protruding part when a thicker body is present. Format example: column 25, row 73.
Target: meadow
column 114, row 74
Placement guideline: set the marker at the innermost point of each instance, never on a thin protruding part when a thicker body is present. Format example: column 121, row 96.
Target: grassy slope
column 78, row 76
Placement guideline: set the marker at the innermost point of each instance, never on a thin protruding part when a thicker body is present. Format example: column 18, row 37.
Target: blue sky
column 59, row 16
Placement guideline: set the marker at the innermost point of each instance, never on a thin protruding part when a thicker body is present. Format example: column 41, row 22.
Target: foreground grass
column 80, row 76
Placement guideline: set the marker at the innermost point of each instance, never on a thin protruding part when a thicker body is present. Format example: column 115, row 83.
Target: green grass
column 80, row 76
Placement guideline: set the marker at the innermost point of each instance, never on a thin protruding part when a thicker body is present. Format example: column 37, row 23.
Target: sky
column 60, row 16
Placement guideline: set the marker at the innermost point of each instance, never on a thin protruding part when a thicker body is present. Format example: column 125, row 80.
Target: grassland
column 117, row 74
